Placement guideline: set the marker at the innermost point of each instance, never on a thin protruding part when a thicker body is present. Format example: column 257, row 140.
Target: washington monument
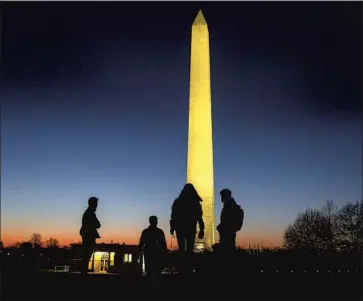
column 200, row 145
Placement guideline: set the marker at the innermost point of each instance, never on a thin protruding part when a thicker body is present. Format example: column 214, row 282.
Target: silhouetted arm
column 142, row 240
column 172, row 219
column 201, row 223
column 172, row 228
column 163, row 240
column 200, row 218
column 219, row 227
column 222, row 217
column 81, row 231
column 97, row 222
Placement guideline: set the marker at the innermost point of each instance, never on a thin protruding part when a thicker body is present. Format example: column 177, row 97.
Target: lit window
column 96, row 259
column 127, row 258
column 99, row 262
column 112, row 258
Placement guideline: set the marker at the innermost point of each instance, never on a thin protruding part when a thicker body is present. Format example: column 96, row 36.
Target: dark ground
column 251, row 285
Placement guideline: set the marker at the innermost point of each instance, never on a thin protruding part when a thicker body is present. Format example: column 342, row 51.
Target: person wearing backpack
column 231, row 221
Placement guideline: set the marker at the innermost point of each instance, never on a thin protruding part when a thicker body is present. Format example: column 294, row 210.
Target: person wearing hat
column 89, row 232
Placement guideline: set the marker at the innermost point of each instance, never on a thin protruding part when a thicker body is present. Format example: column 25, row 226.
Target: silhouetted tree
column 1, row 245
column 313, row 230
column 350, row 227
column 26, row 245
column 52, row 243
column 302, row 233
column 327, row 229
column 36, row 240
column 329, row 226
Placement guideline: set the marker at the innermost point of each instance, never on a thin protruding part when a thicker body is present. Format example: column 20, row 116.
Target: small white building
column 112, row 258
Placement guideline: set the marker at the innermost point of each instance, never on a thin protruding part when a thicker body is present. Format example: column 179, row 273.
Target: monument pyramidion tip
column 199, row 19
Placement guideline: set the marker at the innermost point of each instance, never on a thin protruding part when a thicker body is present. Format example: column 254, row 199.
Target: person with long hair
column 186, row 213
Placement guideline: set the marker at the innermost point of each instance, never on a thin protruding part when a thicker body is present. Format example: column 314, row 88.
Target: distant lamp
column 199, row 247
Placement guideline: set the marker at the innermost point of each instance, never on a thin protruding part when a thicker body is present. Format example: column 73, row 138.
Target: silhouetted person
column 186, row 213
column 89, row 232
column 231, row 222
column 153, row 243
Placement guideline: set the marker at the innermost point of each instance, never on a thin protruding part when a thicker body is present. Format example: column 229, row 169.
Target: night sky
column 95, row 102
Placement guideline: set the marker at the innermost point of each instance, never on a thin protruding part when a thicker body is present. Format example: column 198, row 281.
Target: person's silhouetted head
column 189, row 193
column 93, row 203
column 225, row 194
column 153, row 220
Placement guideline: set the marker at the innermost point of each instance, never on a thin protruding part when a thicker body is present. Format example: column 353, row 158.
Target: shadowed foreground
column 251, row 285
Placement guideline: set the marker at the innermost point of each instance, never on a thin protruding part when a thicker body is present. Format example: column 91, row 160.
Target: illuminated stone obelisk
column 200, row 145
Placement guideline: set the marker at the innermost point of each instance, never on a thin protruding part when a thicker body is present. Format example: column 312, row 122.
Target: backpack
column 238, row 217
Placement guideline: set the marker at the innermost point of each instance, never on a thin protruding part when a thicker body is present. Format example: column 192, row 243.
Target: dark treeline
column 328, row 229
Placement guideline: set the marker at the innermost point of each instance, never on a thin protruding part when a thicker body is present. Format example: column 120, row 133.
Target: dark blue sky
column 95, row 102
